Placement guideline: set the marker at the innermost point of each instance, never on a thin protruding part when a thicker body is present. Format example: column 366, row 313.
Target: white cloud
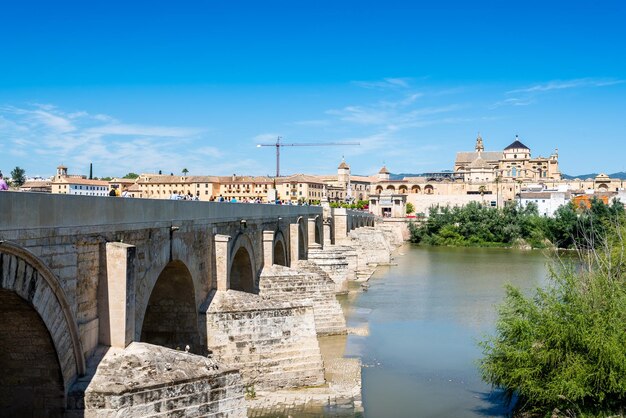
column 385, row 84
column 48, row 136
column 567, row 84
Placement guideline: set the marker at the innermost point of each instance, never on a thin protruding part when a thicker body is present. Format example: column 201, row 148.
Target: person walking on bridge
column 3, row 184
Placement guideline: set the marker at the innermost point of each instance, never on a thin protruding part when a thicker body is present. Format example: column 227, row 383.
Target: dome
column 343, row 165
column 383, row 170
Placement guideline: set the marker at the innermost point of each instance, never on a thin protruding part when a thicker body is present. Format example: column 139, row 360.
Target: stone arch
column 301, row 239
column 29, row 289
column 319, row 231
column 403, row 189
column 242, row 266
column 391, row 187
column 428, row 189
column 171, row 317
column 280, row 249
column 603, row 187
column 379, row 189
column 415, row 189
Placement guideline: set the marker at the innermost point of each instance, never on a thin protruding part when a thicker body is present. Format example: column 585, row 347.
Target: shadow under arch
column 301, row 240
column 242, row 266
column 280, row 249
column 171, row 318
column 318, row 230
column 34, row 308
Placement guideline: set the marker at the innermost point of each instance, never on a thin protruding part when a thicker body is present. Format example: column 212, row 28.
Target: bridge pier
column 268, row 248
column 311, row 228
column 117, row 329
column 222, row 262
column 294, row 250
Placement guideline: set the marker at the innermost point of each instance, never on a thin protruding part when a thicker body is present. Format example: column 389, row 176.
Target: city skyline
column 141, row 89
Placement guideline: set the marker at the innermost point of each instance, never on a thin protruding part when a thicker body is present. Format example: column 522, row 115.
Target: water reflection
column 425, row 316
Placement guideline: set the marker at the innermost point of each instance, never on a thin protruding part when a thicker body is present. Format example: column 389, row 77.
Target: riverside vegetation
column 562, row 352
column 513, row 226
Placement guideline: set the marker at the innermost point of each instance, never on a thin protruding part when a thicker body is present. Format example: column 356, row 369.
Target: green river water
column 425, row 316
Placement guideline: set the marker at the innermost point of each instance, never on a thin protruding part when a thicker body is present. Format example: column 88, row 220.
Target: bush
column 565, row 347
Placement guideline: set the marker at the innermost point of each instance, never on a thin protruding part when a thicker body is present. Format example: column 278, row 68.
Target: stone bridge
column 100, row 296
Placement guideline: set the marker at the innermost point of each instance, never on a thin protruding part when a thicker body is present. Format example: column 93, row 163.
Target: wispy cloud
column 385, row 83
column 49, row 135
column 567, row 84
column 513, row 101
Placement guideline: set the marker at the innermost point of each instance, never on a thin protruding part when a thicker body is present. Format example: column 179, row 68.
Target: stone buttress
column 273, row 343
column 307, row 287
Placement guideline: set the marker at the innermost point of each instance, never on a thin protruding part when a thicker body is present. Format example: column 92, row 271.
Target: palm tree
column 482, row 190
column 185, row 171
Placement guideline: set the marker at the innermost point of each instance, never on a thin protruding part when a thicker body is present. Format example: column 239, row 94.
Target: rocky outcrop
column 306, row 285
column 272, row 342
column 145, row 380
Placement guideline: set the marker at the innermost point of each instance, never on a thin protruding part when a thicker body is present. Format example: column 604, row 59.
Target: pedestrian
column 112, row 192
column 125, row 193
column 3, row 184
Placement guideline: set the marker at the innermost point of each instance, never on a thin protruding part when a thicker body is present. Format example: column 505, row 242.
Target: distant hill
column 620, row 175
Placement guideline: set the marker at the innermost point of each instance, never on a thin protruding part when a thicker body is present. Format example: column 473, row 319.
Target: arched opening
column 301, row 243
column 31, row 382
column 241, row 272
column 171, row 318
column 415, row 189
column 279, row 253
column 428, row 189
column 403, row 189
column 603, row 188
column 318, row 232
column 379, row 189
column 391, row 187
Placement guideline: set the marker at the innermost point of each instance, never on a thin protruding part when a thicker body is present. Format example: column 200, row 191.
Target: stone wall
column 309, row 288
column 145, row 380
column 273, row 343
column 334, row 260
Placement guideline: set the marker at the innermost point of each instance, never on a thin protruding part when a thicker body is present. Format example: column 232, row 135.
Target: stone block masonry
column 145, row 380
column 307, row 287
column 274, row 344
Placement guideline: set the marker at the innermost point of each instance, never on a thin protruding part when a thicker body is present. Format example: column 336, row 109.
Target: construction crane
column 279, row 144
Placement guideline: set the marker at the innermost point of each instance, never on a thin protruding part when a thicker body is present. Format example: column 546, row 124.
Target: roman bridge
column 78, row 273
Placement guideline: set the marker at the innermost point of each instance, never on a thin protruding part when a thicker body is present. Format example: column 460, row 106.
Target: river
column 425, row 316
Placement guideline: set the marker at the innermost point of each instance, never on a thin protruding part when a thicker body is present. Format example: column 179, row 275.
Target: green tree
column 185, row 171
column 564, row 348
column 131, row 176
column 18, row 176
column 409, row 208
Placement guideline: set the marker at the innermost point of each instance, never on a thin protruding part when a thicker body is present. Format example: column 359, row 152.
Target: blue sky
column 170, row 85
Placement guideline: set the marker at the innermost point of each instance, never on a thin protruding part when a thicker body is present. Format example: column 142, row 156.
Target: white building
column 63, row 183
column 547, row 201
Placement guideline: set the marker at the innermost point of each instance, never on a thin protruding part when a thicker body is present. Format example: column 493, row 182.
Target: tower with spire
column 479, row 144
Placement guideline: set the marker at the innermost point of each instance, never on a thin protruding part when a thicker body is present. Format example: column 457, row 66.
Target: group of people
column 3, row 184
column 115, row 191
column 233, row 199
column 188, row 196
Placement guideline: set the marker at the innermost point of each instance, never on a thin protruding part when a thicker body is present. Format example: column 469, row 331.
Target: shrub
column 565, row 347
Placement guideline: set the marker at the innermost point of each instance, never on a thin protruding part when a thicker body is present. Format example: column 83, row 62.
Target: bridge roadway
column 82, row 272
